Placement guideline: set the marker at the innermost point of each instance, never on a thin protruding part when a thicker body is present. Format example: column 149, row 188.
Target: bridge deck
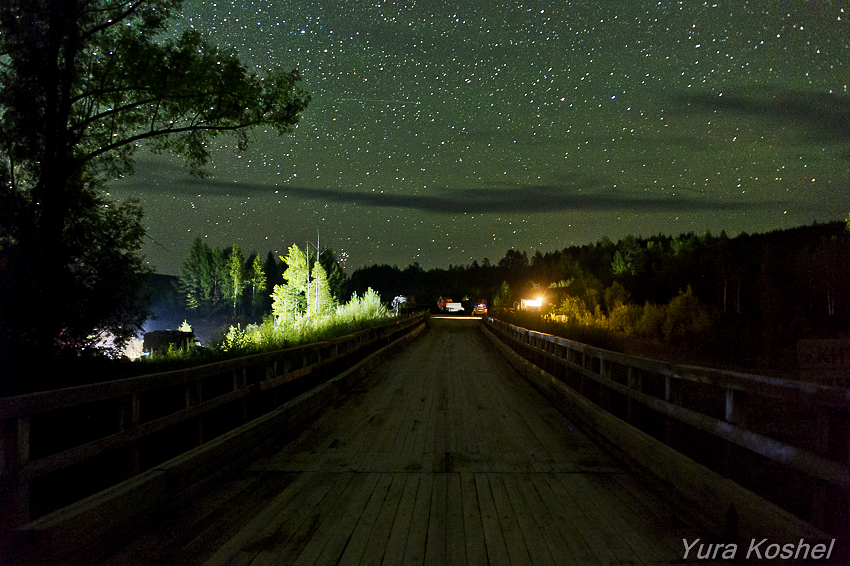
column 443, row 455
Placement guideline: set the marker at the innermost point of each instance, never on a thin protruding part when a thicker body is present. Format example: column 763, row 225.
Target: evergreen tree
column 195, row 282
column 220, row 280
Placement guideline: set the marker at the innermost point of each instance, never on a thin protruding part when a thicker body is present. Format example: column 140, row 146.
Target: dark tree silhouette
column 82, row 84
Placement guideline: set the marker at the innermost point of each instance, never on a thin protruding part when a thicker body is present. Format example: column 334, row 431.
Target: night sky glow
column 443, row 133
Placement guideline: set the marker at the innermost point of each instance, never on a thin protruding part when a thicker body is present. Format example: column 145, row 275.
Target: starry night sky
column 443, row 133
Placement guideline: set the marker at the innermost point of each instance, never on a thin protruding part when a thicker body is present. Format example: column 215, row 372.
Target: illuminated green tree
column 83, row 83
column 236, row 276
column 319, row 298
column 258, row 283
column 289, row 299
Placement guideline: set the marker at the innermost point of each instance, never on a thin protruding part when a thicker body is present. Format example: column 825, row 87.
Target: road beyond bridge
column 442, row 455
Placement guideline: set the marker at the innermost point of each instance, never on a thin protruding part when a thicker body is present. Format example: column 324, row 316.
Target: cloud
column 824, row 117
column 573, row 194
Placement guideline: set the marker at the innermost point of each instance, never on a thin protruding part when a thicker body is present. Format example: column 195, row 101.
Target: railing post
column 240, row 380
column 14, row 455
column 128, row 419
column 672, row 394
column 633, row 407
column 193, row 399
column 604, row 391
column 737, row 407
column 737, row 413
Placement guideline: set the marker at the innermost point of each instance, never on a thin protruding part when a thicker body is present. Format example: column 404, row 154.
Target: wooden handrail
column 817, row 396
column 776, row 388
column 17, row 469
column 43, row 401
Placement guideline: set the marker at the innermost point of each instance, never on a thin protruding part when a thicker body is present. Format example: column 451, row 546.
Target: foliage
column 598, row 336
column 687, row 320
column 236, row 340
column 336, row 276
column 185, row 327
column 257, row 280
column 289, row 299
column 572, row 309
column 319, row 299
column 502, row 299
column 368, row 306
column 236, row 274
column 651, row 321
column 359, row 312
column 204, row 277
column 82, row 84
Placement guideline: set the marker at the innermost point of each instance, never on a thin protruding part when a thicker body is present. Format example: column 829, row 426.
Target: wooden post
column 128, row 419
column 672, row 428
column 604, row 391
column 240, row 380
column 633, row 407
column 14, row 489
column 737, row 407
column 193, row 398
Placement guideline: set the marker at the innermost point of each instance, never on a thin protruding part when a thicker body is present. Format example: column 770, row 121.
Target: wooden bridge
column 444, row 453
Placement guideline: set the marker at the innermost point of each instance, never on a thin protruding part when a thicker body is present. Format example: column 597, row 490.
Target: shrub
column 624, row 318
column 235, row 340
column 687, row 321
column 651, row 322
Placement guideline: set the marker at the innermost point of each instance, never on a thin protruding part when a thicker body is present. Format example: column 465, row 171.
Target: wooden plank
column 473, row 529
column 407, row 427
column 532, row 534
column 497, row 552
column 455, row 539
column 435, row 547
column 378, row 539
column 657, row 527
column 664, row 516
column 267, row 543
column 339, row 536
column 361, row 532
column 430, row 440
column 263, row 522
column 394, row 553
column 396, row 414
column 568, row 487
column 514, row 540
column 302, row 523
column 619, row 519
column 164, row 534
column 558, row 547
column 571, row 524
column 414, row 550
column 330, row 512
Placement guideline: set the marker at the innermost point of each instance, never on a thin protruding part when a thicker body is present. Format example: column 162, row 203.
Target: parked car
column 479, row 307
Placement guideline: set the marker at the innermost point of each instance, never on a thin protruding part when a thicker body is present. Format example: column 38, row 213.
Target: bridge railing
column 785, row 440
column 60, row 446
